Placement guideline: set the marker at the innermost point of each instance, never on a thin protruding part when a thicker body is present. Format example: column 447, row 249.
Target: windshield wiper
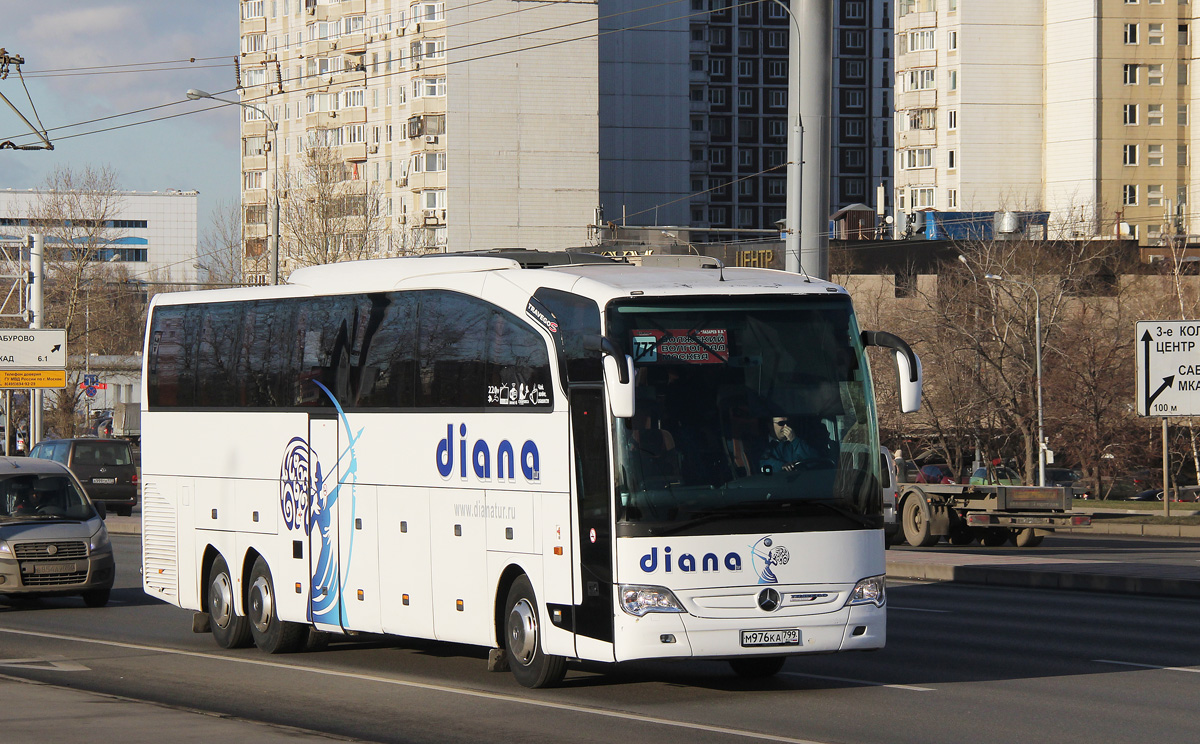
column 746, row 508
column 856, row 518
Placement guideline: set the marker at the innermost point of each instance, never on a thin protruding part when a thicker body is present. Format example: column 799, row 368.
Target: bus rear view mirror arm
column 908, row 365
column 618, row 374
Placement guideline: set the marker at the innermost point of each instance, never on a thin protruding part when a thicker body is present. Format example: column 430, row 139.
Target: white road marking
column 918, row 609
column 497, row 696
column 1193, row 670
column 912, row 688
column 46, row 664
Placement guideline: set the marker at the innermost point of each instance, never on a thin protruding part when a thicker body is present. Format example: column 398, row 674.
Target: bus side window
column 390, row 364
column 518, row 372
column 453, row 351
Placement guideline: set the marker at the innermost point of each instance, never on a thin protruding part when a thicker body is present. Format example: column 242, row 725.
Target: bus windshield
column 752, row 415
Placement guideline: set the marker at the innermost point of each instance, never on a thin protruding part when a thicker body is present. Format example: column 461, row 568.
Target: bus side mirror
column 908, row 365
column 618, row 375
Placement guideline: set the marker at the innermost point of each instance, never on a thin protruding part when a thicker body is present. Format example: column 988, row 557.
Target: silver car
column 52, row 538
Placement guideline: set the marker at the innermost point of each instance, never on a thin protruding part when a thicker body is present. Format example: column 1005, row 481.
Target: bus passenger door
column 593, row 501
column 325, row 599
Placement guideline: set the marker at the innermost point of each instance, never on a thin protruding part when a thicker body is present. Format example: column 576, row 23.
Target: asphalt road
column 963, row 664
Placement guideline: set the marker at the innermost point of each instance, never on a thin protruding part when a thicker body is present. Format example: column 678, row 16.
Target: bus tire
column 229, row 629
column 523, row 640
column 271, row 634
column 757, row 667
column 915, row 521
column 1027, row 538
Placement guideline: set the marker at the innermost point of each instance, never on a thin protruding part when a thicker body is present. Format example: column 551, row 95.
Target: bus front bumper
column 683, row 635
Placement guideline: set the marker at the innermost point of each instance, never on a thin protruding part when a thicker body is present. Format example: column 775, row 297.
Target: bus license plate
column 785, row 637
column 104, row 481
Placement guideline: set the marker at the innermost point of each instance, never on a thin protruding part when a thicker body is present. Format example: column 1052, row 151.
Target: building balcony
column 253, row 26
column 254, row 162
column 353, row 115
column 352, row 44
column 258, row 127
column 353, row 7
column 356, row 152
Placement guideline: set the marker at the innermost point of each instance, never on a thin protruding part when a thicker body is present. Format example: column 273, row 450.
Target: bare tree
column 221, row 253
column 77, row 211
column 329, row 216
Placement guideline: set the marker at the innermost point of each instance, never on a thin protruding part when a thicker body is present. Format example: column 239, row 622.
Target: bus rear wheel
column 229, row 629
column 757, row 667
column 271, row 634
column 523, row 640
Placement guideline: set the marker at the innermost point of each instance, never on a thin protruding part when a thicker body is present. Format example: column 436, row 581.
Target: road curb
column 1078, row 578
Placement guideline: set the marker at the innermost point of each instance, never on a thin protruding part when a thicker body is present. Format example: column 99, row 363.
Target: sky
column 113, row 40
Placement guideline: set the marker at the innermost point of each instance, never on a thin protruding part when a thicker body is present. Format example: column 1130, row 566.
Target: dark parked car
column 52, row 538
column 104, row 466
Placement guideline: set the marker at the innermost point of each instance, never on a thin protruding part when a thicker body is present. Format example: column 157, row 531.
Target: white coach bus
column 587, row 460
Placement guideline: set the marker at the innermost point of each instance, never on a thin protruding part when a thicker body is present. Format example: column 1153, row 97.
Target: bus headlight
column 868, row 591
column 639, row 600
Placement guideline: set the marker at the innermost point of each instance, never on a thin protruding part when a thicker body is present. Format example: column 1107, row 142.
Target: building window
column 921, row 40
column 920, row 198
column 745, row 68
column 916, row 157
column 1154, row 114
column 1154, row 35
column 952, row 198
column 716, row 156
column 776, row 187
column 1131, row 33
column 745, row 157
column 1184, row 36
column 777, row 68
column 1130, row 74
column 853, row 100
column 1154, row 195
column 716, row 215
column 1183, row 73
column 777, row 39
column 1154, row 155
column 716, row 67
column 952, row 40
column 252, row 9
column 716, row 96
column 745, row 98
column 951, row 159
column 254, row 43
column 952, row 75
column 921, row 78
column 777, row 128
column 1181, row 155
column 253, row 179
column 778, row 98
column 952, row 119
column 1129, row 195
column 1130, row 156
column 1183, row 115
column 252, row 146
column 1154, row 74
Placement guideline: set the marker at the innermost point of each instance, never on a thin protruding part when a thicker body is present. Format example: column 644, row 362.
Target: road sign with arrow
column 1168, row 368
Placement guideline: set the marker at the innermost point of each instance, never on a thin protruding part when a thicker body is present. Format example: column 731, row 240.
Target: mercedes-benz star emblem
column 768, row 600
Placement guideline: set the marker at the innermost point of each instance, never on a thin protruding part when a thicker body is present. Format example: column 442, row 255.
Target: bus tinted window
column 576, row 317
column 433, row 349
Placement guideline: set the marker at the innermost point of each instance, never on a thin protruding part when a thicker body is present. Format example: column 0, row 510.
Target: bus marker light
column 459, row 605
column 404, row 599
column 558, row 550
column 508, row 533
column 360, row 595
column 297, row 587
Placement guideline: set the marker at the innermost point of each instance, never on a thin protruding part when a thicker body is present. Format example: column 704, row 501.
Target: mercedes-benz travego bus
column 589, row 460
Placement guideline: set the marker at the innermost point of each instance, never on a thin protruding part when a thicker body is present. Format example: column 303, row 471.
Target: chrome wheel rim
column 262, row 604
column 220, row 600
column 522, row 632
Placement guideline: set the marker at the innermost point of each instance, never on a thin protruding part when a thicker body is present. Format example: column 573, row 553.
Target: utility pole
column 37, row 275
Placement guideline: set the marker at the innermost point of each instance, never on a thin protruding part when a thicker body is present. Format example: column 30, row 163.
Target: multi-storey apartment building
column 1079, row 108
column 472, row 124
column 693, row 115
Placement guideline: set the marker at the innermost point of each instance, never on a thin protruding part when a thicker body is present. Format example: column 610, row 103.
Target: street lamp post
column 273, row 235
column 1037, row 333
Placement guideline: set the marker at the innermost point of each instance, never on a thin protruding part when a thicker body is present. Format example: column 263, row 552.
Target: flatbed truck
column 991, row 515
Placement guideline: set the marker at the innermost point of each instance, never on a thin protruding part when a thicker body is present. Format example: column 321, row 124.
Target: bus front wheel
column 271, row 634
column 523, row 640
column 229, row 629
